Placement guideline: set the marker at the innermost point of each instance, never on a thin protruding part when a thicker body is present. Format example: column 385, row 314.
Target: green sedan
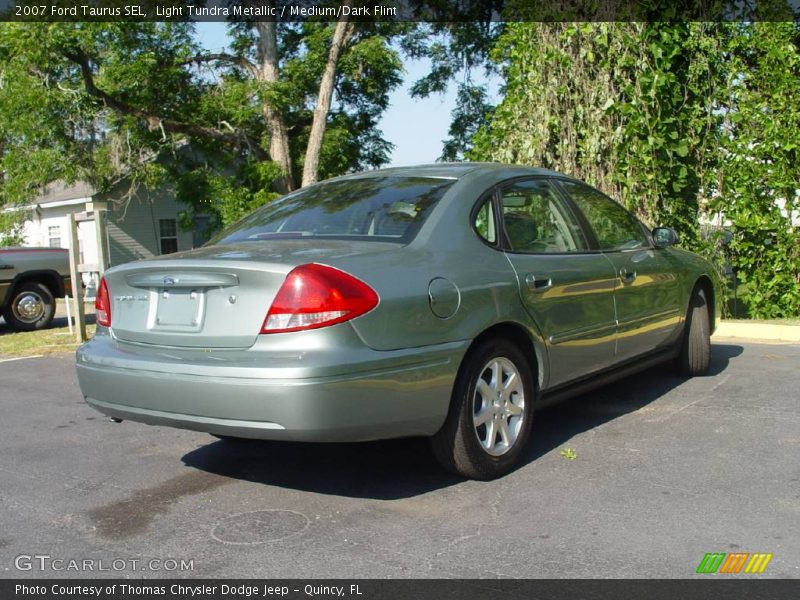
column 447, row 301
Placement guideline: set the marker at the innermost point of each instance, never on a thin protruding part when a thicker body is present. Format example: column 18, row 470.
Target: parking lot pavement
column 667, row 470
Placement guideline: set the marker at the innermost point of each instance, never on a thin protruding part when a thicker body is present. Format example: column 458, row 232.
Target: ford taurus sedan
column 446, row 301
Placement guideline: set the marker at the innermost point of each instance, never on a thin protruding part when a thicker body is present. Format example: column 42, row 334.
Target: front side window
column 536, row 221
column 615, row 227
column 369, row 208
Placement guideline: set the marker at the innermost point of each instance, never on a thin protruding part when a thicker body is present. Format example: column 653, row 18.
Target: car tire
column 31, row 307
column 695, row 354
column 473, row 442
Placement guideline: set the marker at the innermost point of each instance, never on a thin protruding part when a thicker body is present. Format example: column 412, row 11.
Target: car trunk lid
column 215, row 297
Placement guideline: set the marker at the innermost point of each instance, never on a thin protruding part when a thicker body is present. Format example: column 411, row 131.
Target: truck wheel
column 32, row 307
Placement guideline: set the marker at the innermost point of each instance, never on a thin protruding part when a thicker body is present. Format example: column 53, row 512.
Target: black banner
column 399, row 10
column 418, row 589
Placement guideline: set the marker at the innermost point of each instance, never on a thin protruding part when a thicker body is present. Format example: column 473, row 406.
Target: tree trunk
column 278, row 135
column 311, row 165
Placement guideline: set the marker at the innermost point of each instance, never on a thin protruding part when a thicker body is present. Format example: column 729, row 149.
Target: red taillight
column 317, row 296
column 102, row 305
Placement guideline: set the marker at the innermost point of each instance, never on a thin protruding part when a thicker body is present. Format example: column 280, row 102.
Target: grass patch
column 46, row 341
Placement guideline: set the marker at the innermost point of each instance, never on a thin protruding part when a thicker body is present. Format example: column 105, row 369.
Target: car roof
column 452, row 170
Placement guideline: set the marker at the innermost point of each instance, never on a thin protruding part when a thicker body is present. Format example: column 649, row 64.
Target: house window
column 54, row 236
column 168, row 235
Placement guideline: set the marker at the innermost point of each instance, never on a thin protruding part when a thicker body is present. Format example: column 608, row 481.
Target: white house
column 141, row 226
column 144, row 226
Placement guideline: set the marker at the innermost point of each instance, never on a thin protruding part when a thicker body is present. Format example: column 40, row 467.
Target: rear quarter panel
column 486, row 285
column 446, row 247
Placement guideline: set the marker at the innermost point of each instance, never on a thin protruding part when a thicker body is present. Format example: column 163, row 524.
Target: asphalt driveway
column 667, row 469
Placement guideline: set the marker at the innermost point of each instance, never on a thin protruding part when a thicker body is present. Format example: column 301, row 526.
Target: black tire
column 30, row 308
column 695, row 355
column 458, row 445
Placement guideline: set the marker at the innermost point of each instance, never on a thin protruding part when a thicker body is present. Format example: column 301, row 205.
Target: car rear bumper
column 375, row 395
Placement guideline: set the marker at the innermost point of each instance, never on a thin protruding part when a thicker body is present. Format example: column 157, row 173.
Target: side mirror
column 664, row 236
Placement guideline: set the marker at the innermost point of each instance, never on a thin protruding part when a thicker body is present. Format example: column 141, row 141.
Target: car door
column 647, row 295
column 566, row 288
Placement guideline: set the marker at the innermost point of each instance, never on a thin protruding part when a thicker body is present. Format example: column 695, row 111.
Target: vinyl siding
column 133, row 227
column 36, row 230
column 133, row 230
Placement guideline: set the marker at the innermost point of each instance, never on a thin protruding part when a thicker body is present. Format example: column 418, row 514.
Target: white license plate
column 178, row 309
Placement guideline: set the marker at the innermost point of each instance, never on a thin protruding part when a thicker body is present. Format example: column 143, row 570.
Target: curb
column 758, row 331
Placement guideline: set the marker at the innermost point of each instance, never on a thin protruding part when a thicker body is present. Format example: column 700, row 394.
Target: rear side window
column 536, row 221
column 615, row 227
column 484, row 222
column 369, row 208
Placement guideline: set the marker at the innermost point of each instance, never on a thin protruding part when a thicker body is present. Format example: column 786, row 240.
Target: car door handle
column 627, row 276
column 538, row 284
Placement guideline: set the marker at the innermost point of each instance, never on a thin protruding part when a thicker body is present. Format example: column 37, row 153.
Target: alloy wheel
column 499, row 406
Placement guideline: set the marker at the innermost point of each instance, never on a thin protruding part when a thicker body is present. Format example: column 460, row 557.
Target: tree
column 757, row 183
column 620, row 105
column 289, row 103
column 142, row 102
column 457, row 49
column 678, row 121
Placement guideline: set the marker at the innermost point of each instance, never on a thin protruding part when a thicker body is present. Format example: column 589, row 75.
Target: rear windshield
column 371, row 208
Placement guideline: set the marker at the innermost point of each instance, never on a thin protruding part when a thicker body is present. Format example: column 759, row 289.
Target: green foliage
column 51, row 128
column 758, row 188
column 456, row 50
column 154, row 113
column 11, row 228
column 569, row 454
column 606, row 103
column 368, row 69
column 676, row 121
column 471, row 112
column 227, row 194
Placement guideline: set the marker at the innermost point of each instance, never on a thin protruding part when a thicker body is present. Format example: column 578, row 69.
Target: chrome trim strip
column 591, row 332
column 639, row 320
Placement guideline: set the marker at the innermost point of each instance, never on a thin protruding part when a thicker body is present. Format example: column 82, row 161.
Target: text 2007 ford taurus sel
column 444, row 301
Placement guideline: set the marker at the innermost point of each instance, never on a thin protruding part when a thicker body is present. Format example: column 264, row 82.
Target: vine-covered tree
column 678, row 121
column 757, row 180
column 620, row 105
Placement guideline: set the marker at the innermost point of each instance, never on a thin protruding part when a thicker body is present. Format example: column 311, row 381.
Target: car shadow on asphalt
column 394, row 469
column 556, row 425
